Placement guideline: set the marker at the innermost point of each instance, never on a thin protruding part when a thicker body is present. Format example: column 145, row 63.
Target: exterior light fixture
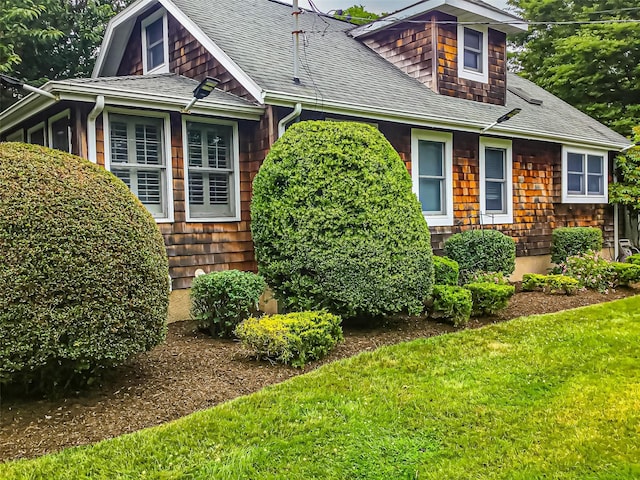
column 629, row 147
column 503, row 118
column 8, row 81
column 203, row 90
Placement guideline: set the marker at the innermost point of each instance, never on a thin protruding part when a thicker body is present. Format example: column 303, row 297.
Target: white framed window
column 496, row 181
column 138, row 152
column 60, row 131
column 155, row 43
column 212, row 166
column 432, row 175
column 473, row 49
column 17, row 136
column 585, row 175
column 36, row 135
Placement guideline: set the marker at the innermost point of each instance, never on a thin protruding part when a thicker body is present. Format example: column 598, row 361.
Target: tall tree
column 357, row 15
column 626, row 191
column 593, row 66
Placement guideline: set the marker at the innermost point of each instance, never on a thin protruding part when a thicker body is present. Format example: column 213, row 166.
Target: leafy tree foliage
column 626, row 191
column 594, row 67
column 357, row 15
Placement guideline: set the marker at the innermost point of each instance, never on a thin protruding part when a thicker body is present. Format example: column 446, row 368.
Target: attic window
column 155, row 52
column 473, row 61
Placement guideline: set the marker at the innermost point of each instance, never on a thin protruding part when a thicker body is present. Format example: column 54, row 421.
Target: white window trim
column 236, row 169
column 17, row 136
column 497, row 218
column 586, row 198
column 35, row 128
column 445, row 219
column 472, row 74
column 167, row 151
column 163, row 67
column 64, row 114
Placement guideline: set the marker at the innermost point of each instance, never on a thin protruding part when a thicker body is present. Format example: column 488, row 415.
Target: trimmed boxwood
column 489, row 298
column 445, row 271
column 83, row 270
column 569, row 241
column 481, row 251
column 221, row 300
column 451, row 303
column 336, row 225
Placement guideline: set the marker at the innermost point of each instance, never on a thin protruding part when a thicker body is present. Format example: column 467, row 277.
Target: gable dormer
column 455, row 47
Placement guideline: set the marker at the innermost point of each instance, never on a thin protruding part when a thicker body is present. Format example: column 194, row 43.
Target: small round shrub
column 532, row 282
column 293, row 339
column 569, row 241
column 489, row 298
column 634, row 259
column 626, row 273
column 592, row 271
column 481, row 251
column 83, row 270
column 336, row 225
column 451, row 303
column 221, row 300
column 445, row 271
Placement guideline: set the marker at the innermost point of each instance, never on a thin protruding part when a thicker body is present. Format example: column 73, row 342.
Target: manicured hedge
column 489, row 298
column 293, row 339
column 451, row 303
column 550, row 283
column 481, row 251
column 83, row 270
column 221, row 300
column 569, row 241
column 336, row 225
column 445, row 271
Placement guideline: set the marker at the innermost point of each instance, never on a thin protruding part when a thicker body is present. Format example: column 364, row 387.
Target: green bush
column 336, row 225
column 570, row 241
column 451, row 303
column 498, row 278
column 532, row 282
column 489, row 298
column 635, row 259
column 445, row 271
column 592, row 271
column 481, row 251
column 83, row 269
column 626, row 273
column 550, row 283
column 221, row 300
column 293, row 339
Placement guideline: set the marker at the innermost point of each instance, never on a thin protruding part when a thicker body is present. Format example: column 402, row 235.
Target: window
column 432, row 159
column 584, row 176
column 496, row 181
column 36, row 135
column 473, row 46
column 137, row 155
column 17, row 136
column 60, row 131
column 155, row 51
column 212, row 182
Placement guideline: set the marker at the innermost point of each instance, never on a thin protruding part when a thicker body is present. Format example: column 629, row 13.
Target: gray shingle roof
column 337, row 68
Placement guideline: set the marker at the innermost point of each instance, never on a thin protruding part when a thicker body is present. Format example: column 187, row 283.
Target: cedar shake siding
column 186, row 57
column 410, row 48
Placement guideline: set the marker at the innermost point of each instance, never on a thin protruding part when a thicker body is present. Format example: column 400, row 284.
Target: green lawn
column 554, row 396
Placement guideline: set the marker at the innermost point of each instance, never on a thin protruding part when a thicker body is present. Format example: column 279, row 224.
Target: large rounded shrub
column 83, row 269
column 336, row 225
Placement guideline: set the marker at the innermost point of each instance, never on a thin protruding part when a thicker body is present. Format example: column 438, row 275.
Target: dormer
column 455, row 47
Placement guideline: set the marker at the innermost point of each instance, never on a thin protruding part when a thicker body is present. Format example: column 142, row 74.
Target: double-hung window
column 36, row 135
column 473, row 60
column 137, row 156
column 584, row 176
column 496, row 182
column 60, row 131
column 431, row 160
column 155, row 49
column 212, row 181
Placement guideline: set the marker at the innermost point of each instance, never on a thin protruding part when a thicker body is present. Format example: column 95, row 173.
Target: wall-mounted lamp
column 8, row 81
column 203, row 90
column 503, row 118
column 629, row 147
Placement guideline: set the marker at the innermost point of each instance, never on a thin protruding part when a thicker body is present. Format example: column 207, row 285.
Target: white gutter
column 91, row 129
column 282, row 124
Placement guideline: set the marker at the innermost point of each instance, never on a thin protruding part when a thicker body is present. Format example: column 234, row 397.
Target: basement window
column 155, row 51
column 473, row 47
column 584, row 175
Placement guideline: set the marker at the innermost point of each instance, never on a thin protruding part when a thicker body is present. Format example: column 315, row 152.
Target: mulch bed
column 192, row 371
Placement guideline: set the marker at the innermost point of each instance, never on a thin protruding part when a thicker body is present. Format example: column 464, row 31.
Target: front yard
column 549, row 396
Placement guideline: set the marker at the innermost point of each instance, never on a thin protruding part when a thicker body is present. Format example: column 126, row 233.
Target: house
column 432, row 77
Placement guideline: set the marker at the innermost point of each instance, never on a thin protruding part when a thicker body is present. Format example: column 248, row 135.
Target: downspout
column 91, row 128
column 282, row 124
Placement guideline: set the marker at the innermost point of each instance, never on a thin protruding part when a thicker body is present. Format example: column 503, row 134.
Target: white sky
column 377, row 6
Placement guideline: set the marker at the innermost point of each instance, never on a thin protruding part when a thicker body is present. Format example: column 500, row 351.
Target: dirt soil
column 192, row 371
